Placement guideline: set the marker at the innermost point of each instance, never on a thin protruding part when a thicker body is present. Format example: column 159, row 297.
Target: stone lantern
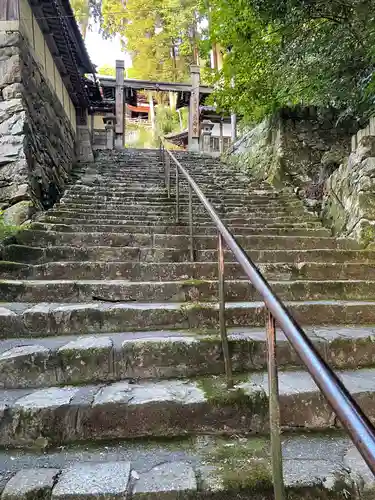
column 206, row 127
column 110, row 122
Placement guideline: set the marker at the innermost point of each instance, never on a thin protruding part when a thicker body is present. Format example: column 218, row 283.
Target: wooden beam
column 150, row 85
column 67, row 82
column 9, row 10
column 51, row 44
column 60, row 65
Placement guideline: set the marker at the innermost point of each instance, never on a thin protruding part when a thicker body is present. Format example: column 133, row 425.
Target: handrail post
column 191, row 229
column 222, row 322
column 168, row 175
column 177, row 196
column 164, row 167
column 274, row 410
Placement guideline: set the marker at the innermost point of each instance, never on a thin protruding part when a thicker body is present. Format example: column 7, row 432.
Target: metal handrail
column 351, row 416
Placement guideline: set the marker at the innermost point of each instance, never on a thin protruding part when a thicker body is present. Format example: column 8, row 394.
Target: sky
column 104, row 52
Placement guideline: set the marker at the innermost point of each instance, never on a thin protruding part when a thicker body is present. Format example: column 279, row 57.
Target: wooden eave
column 57, row 22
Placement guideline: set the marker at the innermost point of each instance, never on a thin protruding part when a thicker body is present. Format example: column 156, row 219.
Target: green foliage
column 6, row 230
column 142, row 136
column 289, row 52
column 107, row 71
column 160, row 35
column 84, row 10
column 167, row 120
column 111, row 71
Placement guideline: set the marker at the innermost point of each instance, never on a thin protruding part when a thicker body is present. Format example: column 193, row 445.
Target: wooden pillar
column 120, row 119
column 194, row 131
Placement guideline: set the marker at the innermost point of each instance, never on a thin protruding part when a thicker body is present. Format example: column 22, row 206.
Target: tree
column 107, row 71
column 84, row 10
column 290, row 52
column 161, row 35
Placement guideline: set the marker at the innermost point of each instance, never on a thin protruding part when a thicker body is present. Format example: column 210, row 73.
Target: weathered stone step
column 170, row 203
column 217, row 174
column 44, row 362
column 172, row 227
column 201, row 242
column 153, row 219
column 119, row 190
column 168, row 210
column 107, row 193
column 49, row 319
column 117, row 290
column 197, row 467
column 12, row 254
column 167, row 408
column 187, row 271
column 89, row 228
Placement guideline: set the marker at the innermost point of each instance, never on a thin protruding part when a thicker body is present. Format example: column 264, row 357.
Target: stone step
column 138, row 409
column 186, row 271
column 145, row 190
column 117, row 194
column 201, row 242
column 50, row 319
column 189, row 291
column 165, row 204
column 45, row 362
column 154, row 219
column 172, row 228
column 168, row 210
column 323, row 467
column 89, row 228
column 119, row 189
column 13, row 254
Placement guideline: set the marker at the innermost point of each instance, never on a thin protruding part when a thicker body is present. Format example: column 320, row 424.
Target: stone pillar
column 194, row 109
column 233, row 122
column 207, row 127
column 221, row 137
column 110, row 123
column 119, row 139
column 83, row 149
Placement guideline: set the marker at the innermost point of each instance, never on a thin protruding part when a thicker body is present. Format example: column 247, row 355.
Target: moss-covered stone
column 218, row 394
column 17, row 214
column 367, row 233
column 239, row 464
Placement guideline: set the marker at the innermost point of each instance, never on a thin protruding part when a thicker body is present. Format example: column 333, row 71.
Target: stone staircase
column 111, row 365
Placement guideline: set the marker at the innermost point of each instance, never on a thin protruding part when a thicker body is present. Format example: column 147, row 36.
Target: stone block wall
column 298, row 147
column 36, row 136
column 349, row 194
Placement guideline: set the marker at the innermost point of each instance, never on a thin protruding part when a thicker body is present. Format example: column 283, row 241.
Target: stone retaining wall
column 349, row 194
column 300, row 147
column 36, row 136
